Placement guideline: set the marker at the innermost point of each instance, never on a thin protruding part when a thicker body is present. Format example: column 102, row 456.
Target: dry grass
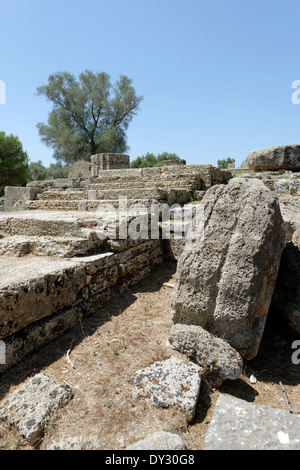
column 99, row 357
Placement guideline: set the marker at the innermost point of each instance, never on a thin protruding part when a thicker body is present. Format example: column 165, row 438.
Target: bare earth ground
column 98, row 358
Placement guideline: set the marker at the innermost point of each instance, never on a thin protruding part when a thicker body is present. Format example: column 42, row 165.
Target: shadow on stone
column 239, row 389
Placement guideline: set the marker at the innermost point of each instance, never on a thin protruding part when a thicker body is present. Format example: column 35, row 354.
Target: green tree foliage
column 57, row 170
column 13, row 162
column 38, row 172
column 223, row 164
column 151, row 160
column 89, row 115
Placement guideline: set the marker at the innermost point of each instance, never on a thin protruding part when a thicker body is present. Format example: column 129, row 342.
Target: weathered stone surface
column 75, row 443
column 290, row 210
column 294, row 186
column 41, row 224
column 174, row 231
column 80, row 169
column 34, row 288
column 29, row 407
column 180, row 176
column 286, row 157
column 217, row 359
column 160, row 440
column 239, row 425
column 63, row 247
column 170, row 382
column 72, row 443
column 225, row 284
column 17, row 197
column 175, row 183
column 286, row 296
column 109, row 161
column 41, row 293
column 179, row 161
column 21, row 344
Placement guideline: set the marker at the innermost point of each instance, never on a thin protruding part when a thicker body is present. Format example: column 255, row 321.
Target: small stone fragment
column 159, row 441
column 170, row 382
column 217, row 359
column 28, row 408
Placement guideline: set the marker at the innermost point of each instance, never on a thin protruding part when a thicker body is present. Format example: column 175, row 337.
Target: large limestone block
column 239, row 425
column 29, row 407
column 35, row 288
column 16, row 197
column 217, row 359
column 80, row 169
column 226, row 283
column 286, row 157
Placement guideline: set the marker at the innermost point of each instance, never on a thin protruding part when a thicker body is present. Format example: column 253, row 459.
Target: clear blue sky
column 216, row 75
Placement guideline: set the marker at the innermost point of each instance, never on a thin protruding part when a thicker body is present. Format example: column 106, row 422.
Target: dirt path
column 106, row 350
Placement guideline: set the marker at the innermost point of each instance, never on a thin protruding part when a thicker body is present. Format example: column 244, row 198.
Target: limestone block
column 21, row 344
column 217, row 359
column 290, row 210
column 239, row 425
column 34, row 288
column 80, row 169
column 286, row 157
column 225, row 283
column 37, row 224
column 170, row 382
column 109, row 161
column 17, row 197
column 160, row 440
column 28, row 408
column 178, row 161
column 294, row 186
column 76, row 443
column 63, row 247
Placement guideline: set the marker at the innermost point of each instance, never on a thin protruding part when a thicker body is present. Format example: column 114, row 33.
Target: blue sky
column 216, row 76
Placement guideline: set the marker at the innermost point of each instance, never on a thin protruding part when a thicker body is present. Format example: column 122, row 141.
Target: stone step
column 36, row 287
column 103, row 194
column 66, row 195
column 40, row 224
column 61, row 247
column 86, row 205
column 161, row 183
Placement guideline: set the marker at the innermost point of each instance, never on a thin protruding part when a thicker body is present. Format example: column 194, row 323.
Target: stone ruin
column 72, row 271
column 55, row 267
column 109, row 161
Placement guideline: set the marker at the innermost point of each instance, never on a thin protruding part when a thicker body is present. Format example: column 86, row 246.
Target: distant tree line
column 38, row 172
column 16, row 168
column 151, row 160
column 223, row 164
column 13, row 162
